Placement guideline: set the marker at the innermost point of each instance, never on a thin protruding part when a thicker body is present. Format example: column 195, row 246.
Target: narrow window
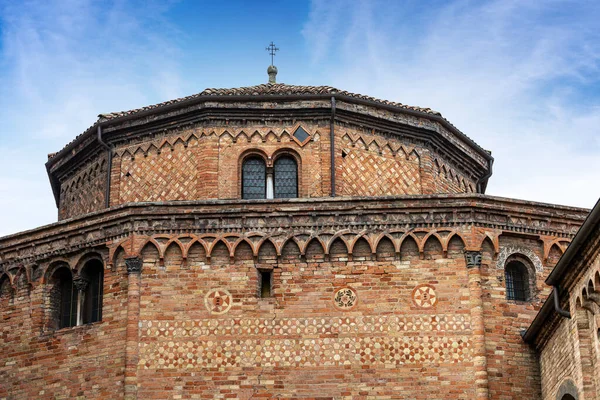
column 265, row 283
column 64, row 298
column 92, row 295
column 286, row 178
column 254, row 177
column 5, row 289
column 517, row 281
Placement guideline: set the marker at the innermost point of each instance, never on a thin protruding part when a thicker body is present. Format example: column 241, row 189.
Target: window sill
column 70, row 329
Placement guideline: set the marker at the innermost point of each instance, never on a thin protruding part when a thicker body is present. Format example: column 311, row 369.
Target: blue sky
column 522, row 78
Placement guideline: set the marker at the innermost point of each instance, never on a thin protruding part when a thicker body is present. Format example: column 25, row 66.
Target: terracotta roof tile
column 262, row 89
column 266, row 89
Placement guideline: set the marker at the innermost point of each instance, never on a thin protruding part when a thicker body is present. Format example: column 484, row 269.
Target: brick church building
column 281, row 241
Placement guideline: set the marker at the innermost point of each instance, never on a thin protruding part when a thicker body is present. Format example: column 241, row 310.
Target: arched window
column 285, row 178
column 63, row 298
column 5, row 289
column 517, row 281
column 254, row 178
column 91, row 295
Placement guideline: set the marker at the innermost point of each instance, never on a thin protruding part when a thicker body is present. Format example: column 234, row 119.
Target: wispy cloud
column 521, row 78
column 63, row 63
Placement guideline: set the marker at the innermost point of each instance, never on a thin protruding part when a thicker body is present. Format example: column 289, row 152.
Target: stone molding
column 508, row 251
column 567, row 387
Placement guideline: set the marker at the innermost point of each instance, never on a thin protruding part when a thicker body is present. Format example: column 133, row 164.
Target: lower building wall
column 84, row 362
column 304, row 341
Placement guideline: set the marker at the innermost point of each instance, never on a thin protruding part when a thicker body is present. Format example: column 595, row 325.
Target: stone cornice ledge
column 377, row 213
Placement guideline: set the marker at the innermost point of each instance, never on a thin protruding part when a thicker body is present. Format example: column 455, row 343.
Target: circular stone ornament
column 345, row 298
column 218, row 301
column 424, row 296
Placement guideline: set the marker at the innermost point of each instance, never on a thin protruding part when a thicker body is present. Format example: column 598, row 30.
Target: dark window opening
column 91, row 309
column 265, row 283
column 254, row 179
column 286, row 178
column 301, row 134
column 5, row 289
column 517, row 281
column 65, row 298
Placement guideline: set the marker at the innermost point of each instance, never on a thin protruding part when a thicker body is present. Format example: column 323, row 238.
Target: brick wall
column 200, row 164
column 298, row 343
column 84, row 192
column 571, row 353
column 360, row 305
column 39, row 362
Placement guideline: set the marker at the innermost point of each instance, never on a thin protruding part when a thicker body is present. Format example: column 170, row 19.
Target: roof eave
column 560, row 270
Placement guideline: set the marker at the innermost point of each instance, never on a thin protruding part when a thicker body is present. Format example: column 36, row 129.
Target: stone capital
column 134, row 265
column 80, row 283
column 473, row 259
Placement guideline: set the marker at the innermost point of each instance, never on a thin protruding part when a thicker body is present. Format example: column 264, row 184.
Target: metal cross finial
column 272, row 49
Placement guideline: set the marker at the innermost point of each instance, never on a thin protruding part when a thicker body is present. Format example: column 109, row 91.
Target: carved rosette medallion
column 424, row 296
column 218, row 301
column 345, row 298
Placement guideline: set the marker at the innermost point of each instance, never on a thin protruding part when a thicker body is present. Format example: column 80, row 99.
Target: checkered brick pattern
column 368, row 174
column 168, row 175
column 84, row 192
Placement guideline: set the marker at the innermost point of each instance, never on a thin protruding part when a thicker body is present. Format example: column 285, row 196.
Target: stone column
column 473, row 260
column 134, row 269
column 81, row 285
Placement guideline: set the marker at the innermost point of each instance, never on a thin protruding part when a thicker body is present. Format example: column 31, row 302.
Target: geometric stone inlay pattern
column 345, row 298
column 382, row 350
column 424, row 296
column 324, row 326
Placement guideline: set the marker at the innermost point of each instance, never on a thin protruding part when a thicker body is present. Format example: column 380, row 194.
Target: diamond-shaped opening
column 301, row 134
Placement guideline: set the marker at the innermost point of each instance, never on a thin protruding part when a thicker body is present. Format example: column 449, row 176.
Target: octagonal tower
column 193, row 148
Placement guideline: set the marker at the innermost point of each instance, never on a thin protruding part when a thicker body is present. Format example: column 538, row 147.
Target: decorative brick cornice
column 297, row 216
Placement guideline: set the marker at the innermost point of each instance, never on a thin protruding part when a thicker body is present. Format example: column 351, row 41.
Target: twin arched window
column 76, row 301
column 260, row 182
column 517, row 281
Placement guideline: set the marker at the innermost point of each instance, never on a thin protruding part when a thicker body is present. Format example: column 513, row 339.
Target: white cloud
column 512, row 75
column 64, row 62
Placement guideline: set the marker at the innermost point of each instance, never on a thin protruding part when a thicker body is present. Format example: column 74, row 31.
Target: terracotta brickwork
column 569, row 349
column 396, row 287
column 389, row 308
column 39, row 362
column 181, row 167
column 196, row 161
column 84, row 192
